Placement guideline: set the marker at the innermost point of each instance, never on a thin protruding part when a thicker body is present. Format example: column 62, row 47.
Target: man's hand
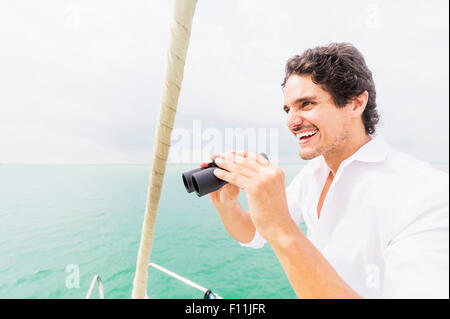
column 265, row 187
column 227, row 195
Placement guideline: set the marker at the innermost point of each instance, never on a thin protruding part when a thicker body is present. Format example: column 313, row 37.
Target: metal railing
column 208, row 293
column 97, row 280
column 188, row 282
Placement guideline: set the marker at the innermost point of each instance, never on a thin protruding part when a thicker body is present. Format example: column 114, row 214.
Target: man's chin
column 305, row 155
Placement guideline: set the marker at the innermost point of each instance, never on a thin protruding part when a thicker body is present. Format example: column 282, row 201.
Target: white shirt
column 384, row 223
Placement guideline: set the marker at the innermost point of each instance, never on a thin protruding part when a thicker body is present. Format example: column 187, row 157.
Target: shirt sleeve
column 417, row 259
column 293, row 201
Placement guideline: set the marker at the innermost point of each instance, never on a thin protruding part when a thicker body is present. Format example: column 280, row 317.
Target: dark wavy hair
column 339, row 69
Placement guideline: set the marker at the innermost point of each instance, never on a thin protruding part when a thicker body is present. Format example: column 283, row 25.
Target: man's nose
column 294, row 119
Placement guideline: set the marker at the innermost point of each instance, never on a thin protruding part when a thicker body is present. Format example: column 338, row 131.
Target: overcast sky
column 80, row 81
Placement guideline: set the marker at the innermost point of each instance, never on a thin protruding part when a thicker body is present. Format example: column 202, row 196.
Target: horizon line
column 300, row 161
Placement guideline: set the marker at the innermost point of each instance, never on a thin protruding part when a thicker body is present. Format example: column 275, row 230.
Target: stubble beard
column 329, row 149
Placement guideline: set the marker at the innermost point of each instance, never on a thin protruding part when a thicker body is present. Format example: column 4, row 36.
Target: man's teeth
column 306, row 133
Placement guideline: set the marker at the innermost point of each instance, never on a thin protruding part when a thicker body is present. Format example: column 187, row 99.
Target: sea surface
column 60, row 225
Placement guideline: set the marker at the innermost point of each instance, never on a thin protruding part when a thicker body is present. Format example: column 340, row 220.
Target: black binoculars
column 203, row 181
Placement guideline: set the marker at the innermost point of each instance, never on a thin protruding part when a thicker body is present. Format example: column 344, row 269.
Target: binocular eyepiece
column 203, row 181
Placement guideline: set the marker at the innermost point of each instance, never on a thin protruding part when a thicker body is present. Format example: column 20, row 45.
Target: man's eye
column 306, row 104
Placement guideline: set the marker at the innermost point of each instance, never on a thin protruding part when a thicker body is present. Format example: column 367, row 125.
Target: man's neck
column 335, row 159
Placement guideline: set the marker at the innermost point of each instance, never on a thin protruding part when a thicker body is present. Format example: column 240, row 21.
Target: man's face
column 320, row 127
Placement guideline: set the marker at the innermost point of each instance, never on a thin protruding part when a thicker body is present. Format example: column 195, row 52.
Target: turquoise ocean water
column 56, row 216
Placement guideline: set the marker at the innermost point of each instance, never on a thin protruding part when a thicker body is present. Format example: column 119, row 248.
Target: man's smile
column 304, row 136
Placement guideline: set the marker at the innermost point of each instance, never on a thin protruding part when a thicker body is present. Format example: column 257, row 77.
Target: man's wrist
column 228, row 206
column 284, row 236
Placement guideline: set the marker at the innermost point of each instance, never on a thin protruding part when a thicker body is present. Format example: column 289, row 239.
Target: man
column 377, row 219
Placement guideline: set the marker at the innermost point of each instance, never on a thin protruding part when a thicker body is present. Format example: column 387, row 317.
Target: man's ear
column 359, row 103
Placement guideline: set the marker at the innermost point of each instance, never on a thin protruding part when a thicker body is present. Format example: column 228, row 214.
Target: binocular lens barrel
column 203, row 181
column 187, row 179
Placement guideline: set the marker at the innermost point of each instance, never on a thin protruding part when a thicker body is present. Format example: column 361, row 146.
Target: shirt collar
column 373, row 151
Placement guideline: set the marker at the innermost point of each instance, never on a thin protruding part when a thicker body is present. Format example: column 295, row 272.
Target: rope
column 180, row 33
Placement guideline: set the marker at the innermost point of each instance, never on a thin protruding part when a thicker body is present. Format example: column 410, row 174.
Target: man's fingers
column 253, row 157
column 212, row 157
column 238, row 180
column 245, row 157
column 242, row 153
column 230, row 165
column 262, row 160
column 248, row 162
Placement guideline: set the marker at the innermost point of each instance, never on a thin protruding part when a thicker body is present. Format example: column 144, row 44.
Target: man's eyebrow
column 302, row 99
